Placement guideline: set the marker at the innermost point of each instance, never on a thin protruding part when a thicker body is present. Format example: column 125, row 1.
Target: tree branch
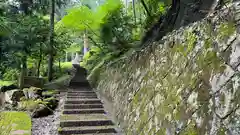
column 146, row 8
column 95, row 43
column 165, row 24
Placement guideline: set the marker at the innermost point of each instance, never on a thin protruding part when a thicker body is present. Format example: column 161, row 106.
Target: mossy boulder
column 33, row 92
column 28, row 105
column 38, row 102
column 37, row 108
column 51, row 102
column 41, row 111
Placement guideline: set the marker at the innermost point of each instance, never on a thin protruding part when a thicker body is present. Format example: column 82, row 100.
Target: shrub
column 28, row 105
column 93, row 76
column 11, row 74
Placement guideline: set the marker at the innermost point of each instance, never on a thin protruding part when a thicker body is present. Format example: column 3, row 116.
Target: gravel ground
column 48, row 125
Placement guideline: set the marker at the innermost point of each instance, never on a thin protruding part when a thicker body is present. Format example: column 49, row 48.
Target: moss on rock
column 176, row 87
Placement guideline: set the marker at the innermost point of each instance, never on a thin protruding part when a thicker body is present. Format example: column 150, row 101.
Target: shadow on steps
column 83, row 111
column 79, row 79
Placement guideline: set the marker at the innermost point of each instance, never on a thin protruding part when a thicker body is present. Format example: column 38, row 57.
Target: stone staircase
column 84, row 113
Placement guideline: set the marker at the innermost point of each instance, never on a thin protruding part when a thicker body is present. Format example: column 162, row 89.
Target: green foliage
column 59, row 83
column 189, row 45
column 191, row 41
column 112, row 32
column 157, row 8
column 6, row 83
column 28, row 105
column 4, row 28
column 95, row 72
column 74, row 48
column 90, row 57
column 11, row 74
column 226, row 29
column 190, row 130
column 26, row 35
column 117, row 31
column 11, row 122
column 49, row 93
column 66, row 65
column 82, row 17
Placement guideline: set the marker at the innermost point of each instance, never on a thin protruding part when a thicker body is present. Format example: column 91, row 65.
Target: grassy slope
column 6, row 83
column 62, row 81
column 15, row 123
column 58, row 83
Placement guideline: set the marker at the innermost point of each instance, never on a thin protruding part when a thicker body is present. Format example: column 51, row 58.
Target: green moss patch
column 29, row 105
column 15, row 123
column 49, row 93
column 59, row 83
column 50, row 102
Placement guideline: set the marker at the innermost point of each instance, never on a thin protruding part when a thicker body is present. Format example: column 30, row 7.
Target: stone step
column 82, row 92
column 89, row 99
column 72, row 95
column 84, row 117
column 82, row 97
column 74, row 123
column 77, row 95
column 79, row 84
column 98, row 134
column 83, row 106
column 84, row 111
column 89, row 91
column 85, row 101
column 87, row 130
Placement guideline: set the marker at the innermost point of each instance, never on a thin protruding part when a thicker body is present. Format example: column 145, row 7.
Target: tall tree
column 51, row 43
column 134, row 11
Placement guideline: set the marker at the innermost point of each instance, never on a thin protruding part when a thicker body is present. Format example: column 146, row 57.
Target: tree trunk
column 146, row 8
column 164, row 24
column 39, row 62
column 126, row 2
column 50, row 60
column 23, row 71
column 134, row 11
column 59, row 65
column 140, row 14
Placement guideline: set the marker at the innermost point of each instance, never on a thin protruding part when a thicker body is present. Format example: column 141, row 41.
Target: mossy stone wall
column 186, row 84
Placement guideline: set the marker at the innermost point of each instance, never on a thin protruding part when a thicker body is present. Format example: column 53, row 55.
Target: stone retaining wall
column 188, row 83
